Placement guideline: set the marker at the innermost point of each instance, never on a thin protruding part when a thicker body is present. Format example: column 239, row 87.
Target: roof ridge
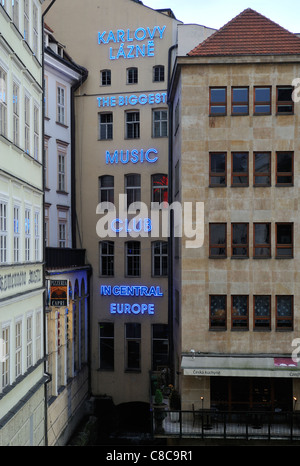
column 238, row 42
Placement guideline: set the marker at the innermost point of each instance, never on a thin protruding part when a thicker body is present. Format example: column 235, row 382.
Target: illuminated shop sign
column 118, row 225
column 127, row 49
column 59, row 293
column 128, row 308
column 132, row 100
column 133, row 156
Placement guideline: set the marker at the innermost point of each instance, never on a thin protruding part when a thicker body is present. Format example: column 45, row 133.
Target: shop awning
column 235, row 366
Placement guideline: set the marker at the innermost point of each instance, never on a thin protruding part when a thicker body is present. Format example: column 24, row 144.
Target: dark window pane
column 218, row 311
column 284, row 234
column 262, row 312
column 284, row 94
column 107, row 346
column 284, row 312
column 262, row 233
column 217, row 163
column 240, row 162
column 284, row 162
column 239, row 311
column 240, row 233
column 262, row 95
column 217, row 233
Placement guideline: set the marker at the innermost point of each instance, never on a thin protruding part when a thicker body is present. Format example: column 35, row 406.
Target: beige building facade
column 235, row 148
column 121, row 149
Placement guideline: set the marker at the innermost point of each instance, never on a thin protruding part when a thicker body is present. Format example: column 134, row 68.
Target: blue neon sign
column 135, row 308
column 133, row 156
column 137, row 226
column 131, row 50
column 132, row 100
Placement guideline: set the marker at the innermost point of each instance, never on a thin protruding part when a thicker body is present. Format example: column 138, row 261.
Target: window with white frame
column 18, row 341
column 35, row 30
column 61, row 155
column 29, row 355
column 46, row 230
column 16, row 114
column 61, row 110
column 3, row 102
column 36, row 138
column 26, row 20
column 5, row 357
column 3, row 232
column 62, row 234
column 27, row 124
column 38, row 335
column 160, row 123
column 27, row 234
column 37, row 236
column 16, row 233
column 15, row 12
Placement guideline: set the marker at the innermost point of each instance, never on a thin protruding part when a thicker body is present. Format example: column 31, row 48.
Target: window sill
column 62, row 125
column 65, row 193
column 132, row 371
column 217, row 186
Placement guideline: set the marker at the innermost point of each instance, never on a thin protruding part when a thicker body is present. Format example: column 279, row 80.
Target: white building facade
column 22, row 378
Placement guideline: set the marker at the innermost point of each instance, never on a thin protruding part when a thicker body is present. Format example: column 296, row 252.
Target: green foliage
column 158, row 397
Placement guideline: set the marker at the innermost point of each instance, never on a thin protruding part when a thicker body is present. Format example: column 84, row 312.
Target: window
column 133, row 259
column 217, row 169
column 18, row 337
column 132, row 76
column 36, row 139
column 15, row 13
column 262, row 312
column 133, row 188
column 284, row 100
column 262, row 100
column 105, row 126
column 38, row 335
column 35, row 30
column 61, row 117
column 240, row 101
column 284, row 240
column 159, row 184
column 240, row 169
column 105, row 77
column 160, row 258
column 106, row 258
column 3, row 103
column 27, row 124
column 16, row 115
column 133, row 346
column 106, row 347
column 239, row 312
column 262, row 240
column 106, row 188
column 284, row 312
column 26, row 20
column 27, row 235
column 217, row 240
column 240, row 240
column 218, row 101
column 284, row 169
column 158, row 73
column 37, row 236
column 217, row 312
column 262, row 169
column 62, row 234
column 61, row 171
column 160, row 346
column 29, row 355
column 160, row 123
column 16, row 234
column 5, row 357
column 3, row 232
column 132, row 125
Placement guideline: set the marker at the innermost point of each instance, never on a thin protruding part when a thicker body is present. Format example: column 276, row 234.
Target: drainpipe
column 170, row 239
column 43, row 216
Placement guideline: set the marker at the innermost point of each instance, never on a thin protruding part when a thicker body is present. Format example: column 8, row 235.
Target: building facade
column 122, row 149
column 235, row 149
column 67, row 276
column 22, row 375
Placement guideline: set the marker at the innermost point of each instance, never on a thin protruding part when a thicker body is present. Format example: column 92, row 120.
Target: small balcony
column 57, row 258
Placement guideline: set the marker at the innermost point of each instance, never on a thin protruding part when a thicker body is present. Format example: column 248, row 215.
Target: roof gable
column 249, row 33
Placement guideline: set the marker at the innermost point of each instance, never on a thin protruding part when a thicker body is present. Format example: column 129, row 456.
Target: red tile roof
column 249, row 33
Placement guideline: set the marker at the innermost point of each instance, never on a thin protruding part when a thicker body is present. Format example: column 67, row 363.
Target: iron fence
column 206, row 424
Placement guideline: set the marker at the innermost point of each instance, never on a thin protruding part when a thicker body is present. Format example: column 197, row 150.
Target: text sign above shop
column 59, row 293
column 133, row 156
column 125, row 48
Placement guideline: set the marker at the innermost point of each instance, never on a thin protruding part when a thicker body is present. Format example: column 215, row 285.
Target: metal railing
column 211, row 424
